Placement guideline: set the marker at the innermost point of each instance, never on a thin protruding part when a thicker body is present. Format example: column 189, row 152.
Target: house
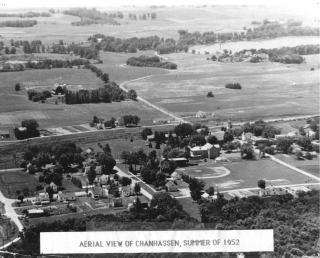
column 54, row 187
column 171, row 186
column 175, row 176
column 206, row 196
column 4, row 134
column 206, row 151
column 219, row 135
column 245, row 137
column 97, row 192
column 42, row 198
column 126, row 191
column 98, row 170
column 67, row 196
column 103, row 179
column 201, row 114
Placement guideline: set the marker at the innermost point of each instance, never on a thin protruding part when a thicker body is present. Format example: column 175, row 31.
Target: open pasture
column 244, row 174
column 268, row 89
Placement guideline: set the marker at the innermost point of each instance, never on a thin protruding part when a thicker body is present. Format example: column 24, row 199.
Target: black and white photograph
column 157, row 128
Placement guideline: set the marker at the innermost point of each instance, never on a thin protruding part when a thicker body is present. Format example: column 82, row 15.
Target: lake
column 291, row 41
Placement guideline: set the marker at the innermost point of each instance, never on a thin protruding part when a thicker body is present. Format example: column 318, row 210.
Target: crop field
column 15, row 106
column 244, row 174
column 268, row 89
column 12, row 181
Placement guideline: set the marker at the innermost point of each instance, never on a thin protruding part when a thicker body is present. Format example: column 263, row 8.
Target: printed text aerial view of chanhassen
column 160, row 117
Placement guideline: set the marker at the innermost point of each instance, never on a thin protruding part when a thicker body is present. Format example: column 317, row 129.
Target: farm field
column 244, row 174
column 269, row 90
column 14, row 106
column 12, row 181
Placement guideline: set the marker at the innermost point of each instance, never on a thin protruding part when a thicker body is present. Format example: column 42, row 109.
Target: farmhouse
column 201, row 114
column 206, row 151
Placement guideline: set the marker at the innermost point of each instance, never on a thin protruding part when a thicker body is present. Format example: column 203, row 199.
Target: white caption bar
column 157, row 241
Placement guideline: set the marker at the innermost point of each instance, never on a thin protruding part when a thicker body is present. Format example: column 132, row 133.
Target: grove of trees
column 152, row 61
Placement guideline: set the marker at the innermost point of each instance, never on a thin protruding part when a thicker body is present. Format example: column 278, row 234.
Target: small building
column 171, row 186
column 35, row 213
column 174, row 135
column 150, row 137
column 4, row 134
column 180, row 162
column 206, row 151
column 116, row 202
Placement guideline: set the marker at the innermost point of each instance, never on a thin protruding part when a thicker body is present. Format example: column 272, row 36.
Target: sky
column 4, row 4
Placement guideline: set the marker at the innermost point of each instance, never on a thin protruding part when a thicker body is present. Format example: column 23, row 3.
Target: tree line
column 152, row 61
column 143, row 16
column 91, row 16
column 26, row 15
column 18, row 23
column 266, row 30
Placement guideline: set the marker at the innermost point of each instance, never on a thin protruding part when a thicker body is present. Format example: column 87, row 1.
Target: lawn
column 269, row 90
column 12, row 181
column 245, row 174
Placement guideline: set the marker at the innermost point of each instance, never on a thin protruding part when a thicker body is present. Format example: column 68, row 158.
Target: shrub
column 235, row 85
column 210, row 94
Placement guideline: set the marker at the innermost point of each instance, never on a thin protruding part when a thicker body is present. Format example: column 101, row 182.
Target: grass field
column 311, row 166
column 14, row 106
column 114, row 65
column 244, row 174
column 12, row 181
column 268, row 89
